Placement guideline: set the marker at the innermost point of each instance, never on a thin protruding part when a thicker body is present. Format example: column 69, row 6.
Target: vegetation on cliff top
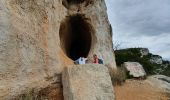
column 135, row 55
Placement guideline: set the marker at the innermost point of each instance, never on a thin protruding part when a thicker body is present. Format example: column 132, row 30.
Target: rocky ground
column 139, row 90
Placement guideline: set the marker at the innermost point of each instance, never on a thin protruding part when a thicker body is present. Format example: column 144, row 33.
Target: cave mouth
column 78, row 3
column 76, row 36
column 75, row 1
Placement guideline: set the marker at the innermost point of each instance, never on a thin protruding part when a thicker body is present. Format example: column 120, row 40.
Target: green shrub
column 166, row 71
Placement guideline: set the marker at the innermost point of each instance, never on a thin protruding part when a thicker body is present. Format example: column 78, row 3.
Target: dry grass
column 30, row 95
column 119, row 76
column 53, row 92
column 168, row 95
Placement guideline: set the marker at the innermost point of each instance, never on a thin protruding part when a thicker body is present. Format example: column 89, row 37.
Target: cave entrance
column 78, row 3
column 75, row 1
column 76, row 36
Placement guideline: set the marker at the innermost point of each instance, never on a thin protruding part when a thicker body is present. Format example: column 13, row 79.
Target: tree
column 116, row 45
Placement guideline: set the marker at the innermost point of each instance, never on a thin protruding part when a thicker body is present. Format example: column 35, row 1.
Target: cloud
column 148, row 17
column 141, row 23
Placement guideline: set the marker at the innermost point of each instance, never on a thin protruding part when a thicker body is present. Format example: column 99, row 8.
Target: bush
column 119, row 76
column 166, row 71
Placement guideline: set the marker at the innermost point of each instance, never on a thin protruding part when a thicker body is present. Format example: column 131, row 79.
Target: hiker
column 97, row 60
column 81, row 61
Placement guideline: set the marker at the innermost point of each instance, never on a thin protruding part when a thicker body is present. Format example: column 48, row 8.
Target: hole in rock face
column 85, row 3
column 76, row 36
column 75, row 1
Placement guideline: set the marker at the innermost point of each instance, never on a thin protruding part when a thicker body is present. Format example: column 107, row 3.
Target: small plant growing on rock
column 30, row 95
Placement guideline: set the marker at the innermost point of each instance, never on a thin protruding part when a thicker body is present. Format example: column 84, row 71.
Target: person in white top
column 81, row 61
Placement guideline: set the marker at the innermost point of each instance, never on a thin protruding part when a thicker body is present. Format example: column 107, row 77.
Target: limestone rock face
column 160, row 81
column 144, row 51
column 87, row 82
column 135, row 69
column 156, row 59
column 38, row 38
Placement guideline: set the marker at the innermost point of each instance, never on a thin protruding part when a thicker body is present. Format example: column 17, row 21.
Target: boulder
column 135, row 69
column 160, row 81
column 87, row 82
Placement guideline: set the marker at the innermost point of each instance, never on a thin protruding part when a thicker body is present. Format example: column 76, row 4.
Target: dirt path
column 138, row 90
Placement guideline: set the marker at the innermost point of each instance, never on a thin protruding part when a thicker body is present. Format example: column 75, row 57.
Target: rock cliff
column 38, row 38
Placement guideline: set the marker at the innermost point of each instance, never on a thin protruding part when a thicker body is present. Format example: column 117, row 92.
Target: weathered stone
column 160, row 81
column 35, row 40
column 156, row 59
column 87, row 82
column 144, row 51
column 135, row 69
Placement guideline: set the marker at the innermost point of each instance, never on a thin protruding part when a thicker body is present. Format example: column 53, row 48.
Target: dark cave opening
column 78, row 3
column 76, row 36
column 75, row 1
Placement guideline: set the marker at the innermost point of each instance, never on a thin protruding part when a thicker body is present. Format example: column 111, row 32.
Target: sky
column 141, row 23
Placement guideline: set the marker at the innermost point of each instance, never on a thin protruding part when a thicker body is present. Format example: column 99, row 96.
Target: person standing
column 96, row 60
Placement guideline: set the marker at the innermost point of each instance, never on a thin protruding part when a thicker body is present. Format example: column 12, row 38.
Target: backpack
column 100, row 61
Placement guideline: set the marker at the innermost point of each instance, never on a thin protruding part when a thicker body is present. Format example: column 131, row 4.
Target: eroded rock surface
column 160, row 81
column 135, row 69
column 87, row 82
column 31, row 40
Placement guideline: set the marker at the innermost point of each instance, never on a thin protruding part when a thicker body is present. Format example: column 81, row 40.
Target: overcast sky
column 141, row 23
